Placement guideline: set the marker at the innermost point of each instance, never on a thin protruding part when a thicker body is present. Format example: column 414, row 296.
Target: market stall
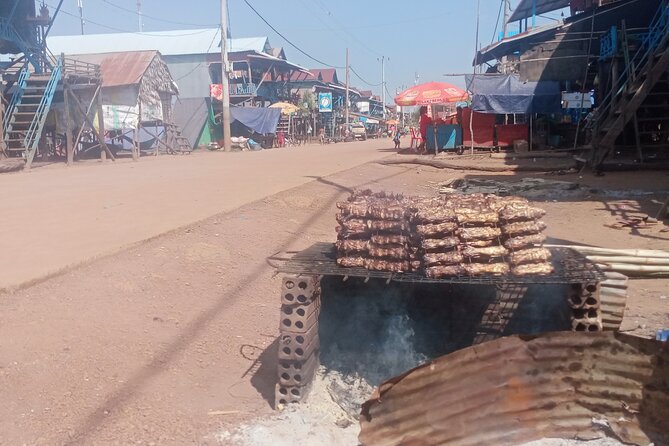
column 442, row 134
column 504, row 109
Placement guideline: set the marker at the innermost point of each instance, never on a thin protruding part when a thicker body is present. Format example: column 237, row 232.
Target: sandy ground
column 54, row 217
column 171, row 341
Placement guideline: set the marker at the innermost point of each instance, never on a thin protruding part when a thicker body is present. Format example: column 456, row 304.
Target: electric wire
column 288, row 40
column 363, row 79
column 62, row 11
column 155, row 18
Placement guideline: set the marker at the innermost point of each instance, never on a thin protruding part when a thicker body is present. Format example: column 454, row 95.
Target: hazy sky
column 427, row 37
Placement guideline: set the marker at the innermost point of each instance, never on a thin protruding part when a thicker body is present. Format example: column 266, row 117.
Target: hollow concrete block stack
column 584, row 300
column 298, row 340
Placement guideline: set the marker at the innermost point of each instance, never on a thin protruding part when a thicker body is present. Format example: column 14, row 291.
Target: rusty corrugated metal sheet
column 521, row 388
column 120, row 69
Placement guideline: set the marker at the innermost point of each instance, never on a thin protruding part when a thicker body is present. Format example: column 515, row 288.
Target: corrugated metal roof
column 525, row 8
column 169, row 43
column 523, row 388
column 124, row 68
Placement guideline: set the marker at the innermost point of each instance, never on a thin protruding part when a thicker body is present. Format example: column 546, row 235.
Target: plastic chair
column 415, row 138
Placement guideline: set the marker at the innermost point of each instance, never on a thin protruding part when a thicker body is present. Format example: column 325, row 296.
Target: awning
column 260, row 120
column 506, row 94
column 526, row 7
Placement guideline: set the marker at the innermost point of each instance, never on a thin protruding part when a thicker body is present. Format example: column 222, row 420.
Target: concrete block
column 299, row 318
column 298, row 346
column 297, row 373
column 299, row 289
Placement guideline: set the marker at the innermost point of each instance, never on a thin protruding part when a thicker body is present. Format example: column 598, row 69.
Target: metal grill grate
column 320, row 260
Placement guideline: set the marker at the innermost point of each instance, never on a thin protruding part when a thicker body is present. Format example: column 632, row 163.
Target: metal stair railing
column 657, row 34
column 37, row 125
column 20, row 85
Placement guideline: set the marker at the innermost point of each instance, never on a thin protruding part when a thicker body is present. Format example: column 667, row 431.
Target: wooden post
column 68, row 125
column 90, row 124
column 2, row 122
column 135, row 138
column 101, row 127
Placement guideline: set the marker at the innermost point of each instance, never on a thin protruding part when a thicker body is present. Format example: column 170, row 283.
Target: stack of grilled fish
column 443, row 236
column 373, row 232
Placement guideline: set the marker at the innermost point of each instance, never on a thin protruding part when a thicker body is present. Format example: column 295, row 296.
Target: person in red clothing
column 424, row 121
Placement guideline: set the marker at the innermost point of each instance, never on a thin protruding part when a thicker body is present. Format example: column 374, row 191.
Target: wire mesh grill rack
column 320, row 260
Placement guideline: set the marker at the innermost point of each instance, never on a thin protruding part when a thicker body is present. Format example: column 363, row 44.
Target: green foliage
column 307, row 102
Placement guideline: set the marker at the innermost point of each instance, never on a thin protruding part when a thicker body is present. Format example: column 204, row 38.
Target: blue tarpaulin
column 260, row 120
column 506, row 94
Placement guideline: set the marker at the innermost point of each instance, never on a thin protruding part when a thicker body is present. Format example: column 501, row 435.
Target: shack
column 137, row 92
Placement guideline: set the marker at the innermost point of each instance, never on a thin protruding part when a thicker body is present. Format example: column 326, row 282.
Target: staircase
column 643, row 72
column 28, row 110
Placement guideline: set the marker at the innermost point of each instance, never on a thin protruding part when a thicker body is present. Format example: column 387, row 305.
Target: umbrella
column 392, row 122
column 286, row 108
column 431, row 93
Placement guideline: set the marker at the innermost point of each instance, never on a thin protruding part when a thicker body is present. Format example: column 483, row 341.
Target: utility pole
column 139, row 15
column 81, row 14
column 383, row 84
column 347, row 88
column 416, row 78
column 225, row 85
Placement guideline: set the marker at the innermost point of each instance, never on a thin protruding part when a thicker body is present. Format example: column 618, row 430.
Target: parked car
column 359, row 131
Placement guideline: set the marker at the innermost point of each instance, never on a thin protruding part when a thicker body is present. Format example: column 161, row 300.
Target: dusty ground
column 171, row 341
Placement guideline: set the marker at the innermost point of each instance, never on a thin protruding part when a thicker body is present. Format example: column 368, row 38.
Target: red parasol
column 431, row 93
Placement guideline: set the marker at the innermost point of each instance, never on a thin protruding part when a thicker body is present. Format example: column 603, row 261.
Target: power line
column 199, row 64
column 361, row 43
column 152, row 17
column 62, row 11
column 286, row 39
column 362, row 79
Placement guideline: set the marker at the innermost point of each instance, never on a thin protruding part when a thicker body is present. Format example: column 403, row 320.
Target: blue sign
column 324, row 102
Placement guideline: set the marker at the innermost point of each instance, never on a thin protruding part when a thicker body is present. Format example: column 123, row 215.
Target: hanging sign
column 324, row 102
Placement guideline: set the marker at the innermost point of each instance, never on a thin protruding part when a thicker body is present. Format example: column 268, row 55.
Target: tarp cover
column 506, row 94
column 261, row 120
column 190, row 115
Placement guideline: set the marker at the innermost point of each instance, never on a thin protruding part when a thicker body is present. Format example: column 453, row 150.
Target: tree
column 307, row 103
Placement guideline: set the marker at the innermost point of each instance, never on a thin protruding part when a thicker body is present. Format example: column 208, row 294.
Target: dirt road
column 55, row 217
column 173, row 340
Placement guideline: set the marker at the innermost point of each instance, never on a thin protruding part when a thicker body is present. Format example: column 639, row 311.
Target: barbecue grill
column 300, row 298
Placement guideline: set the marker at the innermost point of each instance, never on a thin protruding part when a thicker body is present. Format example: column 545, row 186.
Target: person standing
column 424, row 121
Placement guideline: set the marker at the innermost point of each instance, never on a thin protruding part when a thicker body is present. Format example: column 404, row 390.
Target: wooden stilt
column 101, row 126
column 68, row 125
column 90, row 124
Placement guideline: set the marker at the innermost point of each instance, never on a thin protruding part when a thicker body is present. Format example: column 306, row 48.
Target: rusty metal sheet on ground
column 523, row 388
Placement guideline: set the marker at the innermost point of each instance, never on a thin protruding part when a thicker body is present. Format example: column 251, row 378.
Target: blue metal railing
column 37, row 125
column 21, row 83
column 657, row 33
column 608, row 44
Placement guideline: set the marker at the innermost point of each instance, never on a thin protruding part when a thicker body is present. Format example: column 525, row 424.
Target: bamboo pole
column 591, row 250
column 630, row 260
